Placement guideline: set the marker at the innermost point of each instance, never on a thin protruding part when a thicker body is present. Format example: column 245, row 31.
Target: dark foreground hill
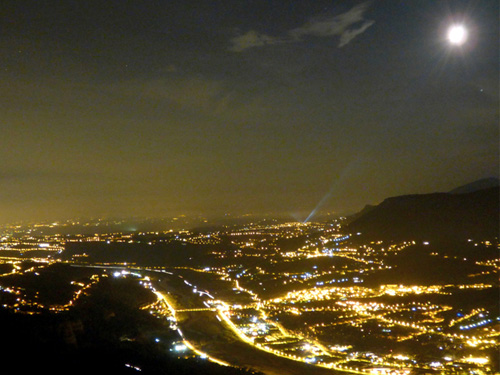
column 105, row 332
column 433, row 216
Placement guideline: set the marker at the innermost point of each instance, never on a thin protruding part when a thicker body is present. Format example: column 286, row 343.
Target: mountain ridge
column 436, row 215
column 484, row 183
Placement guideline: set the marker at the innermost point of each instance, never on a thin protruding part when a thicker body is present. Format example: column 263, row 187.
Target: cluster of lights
column 344, row 299
column 474, row 325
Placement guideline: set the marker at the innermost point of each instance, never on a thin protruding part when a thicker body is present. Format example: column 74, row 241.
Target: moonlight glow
column 457, row 34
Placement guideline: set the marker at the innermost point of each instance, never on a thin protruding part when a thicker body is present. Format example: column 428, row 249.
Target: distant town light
column 180, row 347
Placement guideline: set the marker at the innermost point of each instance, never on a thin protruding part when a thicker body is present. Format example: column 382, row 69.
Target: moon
column 457, row 35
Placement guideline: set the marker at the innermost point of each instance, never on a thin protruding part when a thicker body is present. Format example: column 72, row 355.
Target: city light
column 328, row 294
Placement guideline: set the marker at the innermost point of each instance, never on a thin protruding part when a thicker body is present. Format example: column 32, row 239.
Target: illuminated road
column 214, row 332
column 212, row 335
column 174, row 312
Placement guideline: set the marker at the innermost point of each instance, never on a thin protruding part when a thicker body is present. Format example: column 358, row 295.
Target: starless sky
column 169, row 107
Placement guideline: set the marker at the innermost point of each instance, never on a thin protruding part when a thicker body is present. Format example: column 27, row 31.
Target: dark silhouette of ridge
column 433, row 216
column 482, row 184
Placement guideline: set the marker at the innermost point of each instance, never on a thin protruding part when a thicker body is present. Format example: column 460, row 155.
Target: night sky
column 163, row 108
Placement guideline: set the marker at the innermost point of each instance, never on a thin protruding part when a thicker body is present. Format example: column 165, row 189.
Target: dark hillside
column 482, row 184
column 433, row 216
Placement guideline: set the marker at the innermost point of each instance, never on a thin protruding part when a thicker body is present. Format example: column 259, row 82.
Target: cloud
column 251, row 39
column 331, row 26
column 345, row 25
column 349, row 35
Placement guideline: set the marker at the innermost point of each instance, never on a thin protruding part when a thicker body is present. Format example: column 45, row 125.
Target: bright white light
column 480, row 361
column 457, row 34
